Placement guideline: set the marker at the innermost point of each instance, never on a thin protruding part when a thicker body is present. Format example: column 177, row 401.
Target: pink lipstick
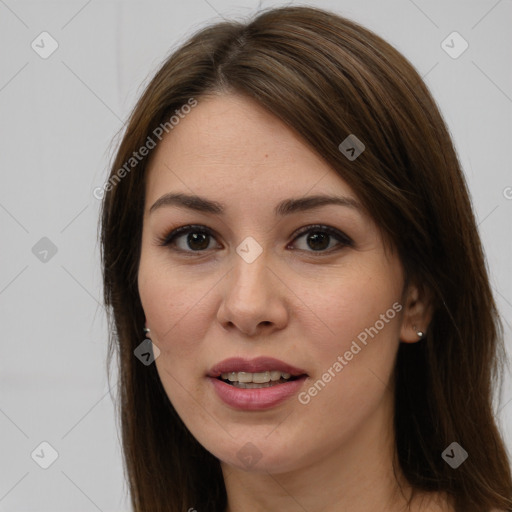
column 255, row 384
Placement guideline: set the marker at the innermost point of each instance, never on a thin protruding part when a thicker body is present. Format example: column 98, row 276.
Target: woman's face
column 266, row 273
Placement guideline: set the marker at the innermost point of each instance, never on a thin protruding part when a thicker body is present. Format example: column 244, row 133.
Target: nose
column 254, row 299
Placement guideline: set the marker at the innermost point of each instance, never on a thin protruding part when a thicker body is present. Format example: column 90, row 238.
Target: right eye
column 191, row 239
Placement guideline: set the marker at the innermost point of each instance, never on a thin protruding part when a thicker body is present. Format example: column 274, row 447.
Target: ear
column 417, row 314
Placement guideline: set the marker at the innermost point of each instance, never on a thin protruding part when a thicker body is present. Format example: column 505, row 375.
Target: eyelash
column 171, row 237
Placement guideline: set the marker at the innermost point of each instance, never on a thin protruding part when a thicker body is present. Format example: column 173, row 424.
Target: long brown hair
column 326, row 77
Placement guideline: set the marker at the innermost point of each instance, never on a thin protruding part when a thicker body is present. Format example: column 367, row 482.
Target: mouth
column 261, row 372
column 255, row 384
column 266, row 379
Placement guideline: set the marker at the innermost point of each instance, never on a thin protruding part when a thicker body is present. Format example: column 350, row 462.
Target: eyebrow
column 286, row 207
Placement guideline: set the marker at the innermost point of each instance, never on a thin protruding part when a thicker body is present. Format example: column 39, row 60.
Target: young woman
column 287, row 220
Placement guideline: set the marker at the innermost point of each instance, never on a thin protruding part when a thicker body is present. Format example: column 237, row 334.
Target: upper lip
column 258, row 364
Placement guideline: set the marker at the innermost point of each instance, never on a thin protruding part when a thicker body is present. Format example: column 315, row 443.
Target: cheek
column 174, row 305
column 347, row 304
column 175, row 308
column 361, row 311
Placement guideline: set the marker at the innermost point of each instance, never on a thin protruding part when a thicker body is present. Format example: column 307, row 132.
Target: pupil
column 199, row 238
column 317, row 241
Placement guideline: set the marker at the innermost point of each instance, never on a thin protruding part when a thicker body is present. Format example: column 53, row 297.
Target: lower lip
column 256, row 399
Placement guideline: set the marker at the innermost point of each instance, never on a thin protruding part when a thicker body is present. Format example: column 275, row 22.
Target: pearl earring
column 420, row 334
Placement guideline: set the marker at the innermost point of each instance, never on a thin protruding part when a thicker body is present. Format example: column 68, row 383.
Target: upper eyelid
column 322, row 227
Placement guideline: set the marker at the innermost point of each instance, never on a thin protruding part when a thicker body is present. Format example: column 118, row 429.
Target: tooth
column 244, row 377
column 252, row 385
column 261, row 377
column 256, row 378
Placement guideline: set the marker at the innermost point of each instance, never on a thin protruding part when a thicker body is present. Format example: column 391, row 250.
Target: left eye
column 318, row 238
column 196, row 239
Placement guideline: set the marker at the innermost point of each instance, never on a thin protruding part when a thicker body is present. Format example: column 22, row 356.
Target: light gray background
column 58, row 118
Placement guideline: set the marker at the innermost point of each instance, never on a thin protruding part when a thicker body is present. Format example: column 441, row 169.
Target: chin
column 258, row 456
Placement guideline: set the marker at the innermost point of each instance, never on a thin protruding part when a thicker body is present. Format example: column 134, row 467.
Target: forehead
column 229, row 145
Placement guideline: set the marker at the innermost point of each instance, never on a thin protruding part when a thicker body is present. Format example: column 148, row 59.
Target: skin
column 293, row 303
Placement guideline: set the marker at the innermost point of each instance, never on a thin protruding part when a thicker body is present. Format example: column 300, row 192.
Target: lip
column 260, row 398
column 256, row 399
column 258, row 364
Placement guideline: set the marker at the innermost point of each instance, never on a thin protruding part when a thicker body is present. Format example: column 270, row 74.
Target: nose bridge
column 250, row 272
column 251, row 298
